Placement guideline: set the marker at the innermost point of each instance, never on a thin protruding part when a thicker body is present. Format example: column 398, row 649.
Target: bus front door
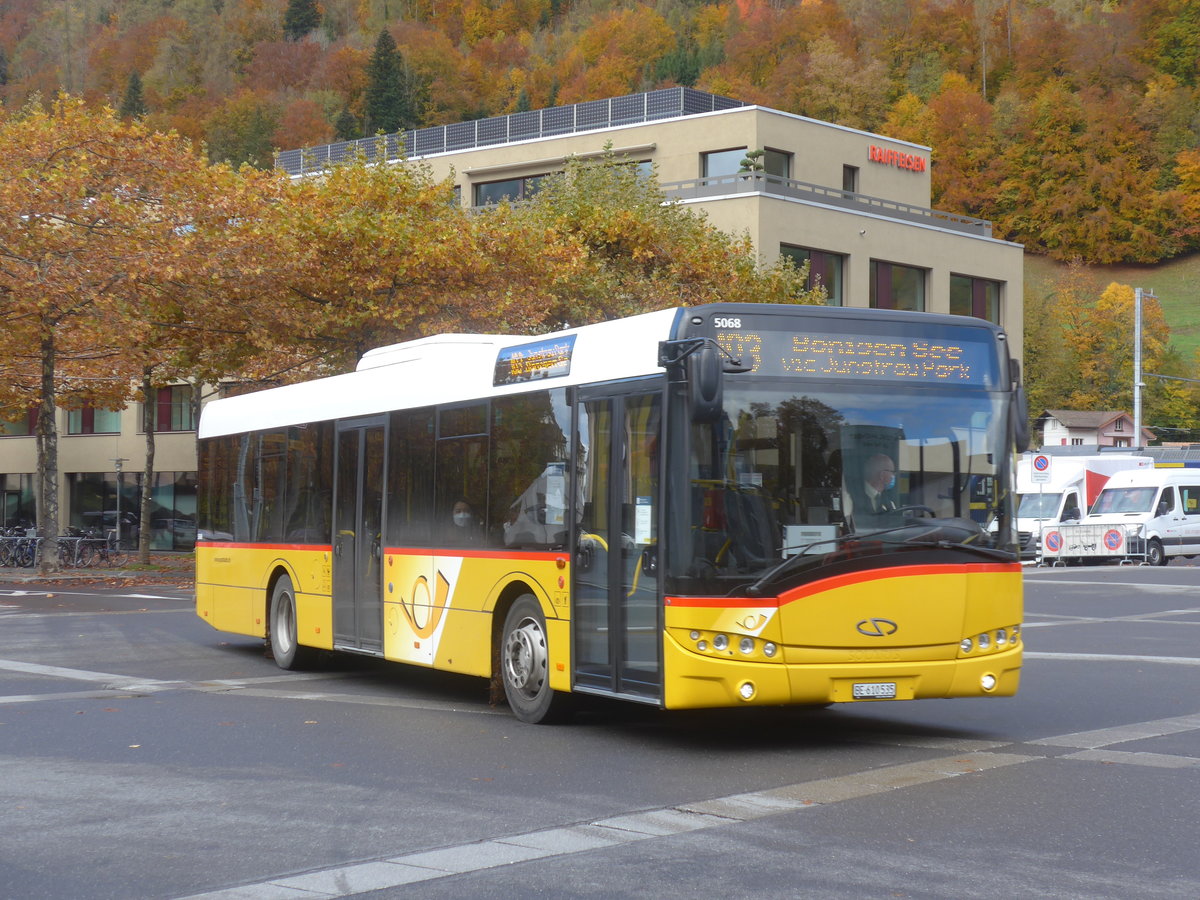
column 357, row 537
column 617, row 609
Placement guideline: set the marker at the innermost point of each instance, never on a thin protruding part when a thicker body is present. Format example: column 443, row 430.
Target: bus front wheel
column 284, row 646
column 525, row 664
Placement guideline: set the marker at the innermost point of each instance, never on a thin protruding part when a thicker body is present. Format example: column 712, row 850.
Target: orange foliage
column 283, row 65
column 302, row 124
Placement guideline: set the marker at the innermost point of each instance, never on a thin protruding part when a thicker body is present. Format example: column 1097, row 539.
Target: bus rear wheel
column 284, row 646
column 525, row 664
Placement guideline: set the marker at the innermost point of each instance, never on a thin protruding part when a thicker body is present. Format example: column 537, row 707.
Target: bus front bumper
column 693, row 681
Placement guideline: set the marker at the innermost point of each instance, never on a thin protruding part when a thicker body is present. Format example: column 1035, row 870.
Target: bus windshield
column 806, row 473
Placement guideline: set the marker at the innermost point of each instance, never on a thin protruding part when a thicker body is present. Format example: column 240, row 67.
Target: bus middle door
column 357, row 536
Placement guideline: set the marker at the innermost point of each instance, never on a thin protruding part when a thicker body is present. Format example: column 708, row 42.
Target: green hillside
column 1176, row 283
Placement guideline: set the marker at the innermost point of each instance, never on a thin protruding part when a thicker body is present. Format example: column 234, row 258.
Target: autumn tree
column 1074, row 181
column 381, row 253
column 91, row 204
column 637, row 251
column 241, row 131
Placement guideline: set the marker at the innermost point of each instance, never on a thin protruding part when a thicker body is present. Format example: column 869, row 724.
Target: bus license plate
column 884, row 690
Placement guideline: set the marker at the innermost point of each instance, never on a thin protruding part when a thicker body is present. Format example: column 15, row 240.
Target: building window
column 90, row 420
column 721, row 162
column 894, row 286
column 98, row 500
column 15, row 424
column 976, row 297
column 173, row 409
column 850, row 179
column 1119, row 425
column 778, row 163
column 17, row 503
column 512, row 189
column 823, row 268
column 1076, row 442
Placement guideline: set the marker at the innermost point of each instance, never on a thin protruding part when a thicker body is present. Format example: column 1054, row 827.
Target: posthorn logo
column 876, row 627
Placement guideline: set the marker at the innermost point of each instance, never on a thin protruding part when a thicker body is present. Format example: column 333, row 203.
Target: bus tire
column 525, row 664
column 1155, row 555
column 282, row 628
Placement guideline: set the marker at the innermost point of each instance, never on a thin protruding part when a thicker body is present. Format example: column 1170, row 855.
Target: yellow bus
column 713, row 506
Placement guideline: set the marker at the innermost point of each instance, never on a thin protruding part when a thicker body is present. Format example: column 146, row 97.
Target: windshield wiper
column 941, row 544
column 781, row 568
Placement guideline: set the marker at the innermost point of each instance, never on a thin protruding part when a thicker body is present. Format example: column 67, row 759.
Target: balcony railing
column 595, row 115
column 777, row 186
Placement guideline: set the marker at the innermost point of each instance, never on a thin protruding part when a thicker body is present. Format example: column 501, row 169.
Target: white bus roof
column 443, row 369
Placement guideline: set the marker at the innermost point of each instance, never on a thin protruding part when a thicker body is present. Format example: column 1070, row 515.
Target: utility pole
column 1138, row 296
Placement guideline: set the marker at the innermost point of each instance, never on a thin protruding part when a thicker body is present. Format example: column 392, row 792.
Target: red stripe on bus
column 543, row 555
column 237, row 545
column 839, row 581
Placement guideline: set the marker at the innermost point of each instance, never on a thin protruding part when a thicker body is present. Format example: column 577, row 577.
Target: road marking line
column 345, row 881
column 1115, row 657
column 66, row 695
column 1136, row 585
column 1125, row 757
column 1120, row 734
column 119, row 682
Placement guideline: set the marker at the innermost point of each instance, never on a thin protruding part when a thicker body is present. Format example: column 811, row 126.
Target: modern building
column 852, row 203
column 101, row 458
column 855, row 205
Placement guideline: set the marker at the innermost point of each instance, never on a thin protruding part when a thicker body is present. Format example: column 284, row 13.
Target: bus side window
column 410, row 479
column 529, row 474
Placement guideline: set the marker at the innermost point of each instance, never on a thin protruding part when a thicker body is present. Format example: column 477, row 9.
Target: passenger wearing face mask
column 465, row 527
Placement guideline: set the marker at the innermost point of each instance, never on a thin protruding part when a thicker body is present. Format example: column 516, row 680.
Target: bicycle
column 106, row 551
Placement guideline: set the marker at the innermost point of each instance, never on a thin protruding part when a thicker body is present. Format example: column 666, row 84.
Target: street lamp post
column 1137, row 368
column 117, row 462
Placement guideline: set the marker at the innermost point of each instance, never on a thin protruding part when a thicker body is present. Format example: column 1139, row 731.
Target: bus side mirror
column 1019, row 408
column 706, row 385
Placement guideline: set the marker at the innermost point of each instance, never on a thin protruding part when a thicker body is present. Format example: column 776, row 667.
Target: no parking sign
column 1041, row 469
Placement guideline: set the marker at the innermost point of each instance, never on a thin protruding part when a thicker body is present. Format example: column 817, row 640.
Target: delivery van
column 1069, row 487
column 1159, row 509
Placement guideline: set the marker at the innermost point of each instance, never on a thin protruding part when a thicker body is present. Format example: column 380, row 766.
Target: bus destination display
column 531, row 362
column 927, row 358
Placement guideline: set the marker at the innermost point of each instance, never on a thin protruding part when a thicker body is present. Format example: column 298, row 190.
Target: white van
column 1160, row 509
column 1066, row 489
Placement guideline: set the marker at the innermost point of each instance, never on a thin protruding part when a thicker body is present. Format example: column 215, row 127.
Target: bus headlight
column 966, row 645
column 769, row 650
column 720, row 642
column 987, row 682
column 746, row 645
column 746, row 690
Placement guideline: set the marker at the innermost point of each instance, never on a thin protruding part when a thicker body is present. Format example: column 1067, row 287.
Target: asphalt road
column 144, row 755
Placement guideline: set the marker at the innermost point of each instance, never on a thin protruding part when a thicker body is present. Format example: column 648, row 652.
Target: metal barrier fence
column 1067, row 543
